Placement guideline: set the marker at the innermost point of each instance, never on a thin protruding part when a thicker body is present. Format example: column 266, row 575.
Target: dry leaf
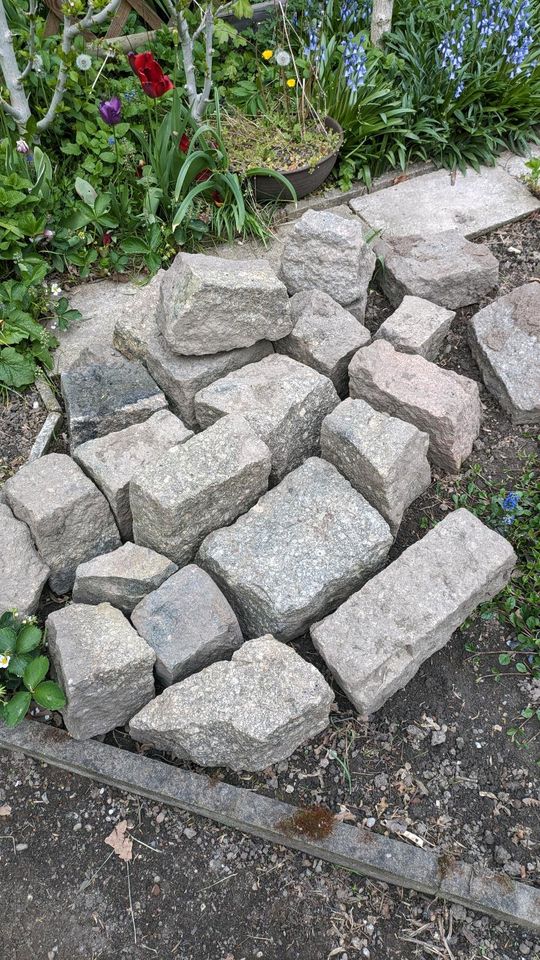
column 528, row 801
column 122, row 845
column 5, row 811
column 344, row 814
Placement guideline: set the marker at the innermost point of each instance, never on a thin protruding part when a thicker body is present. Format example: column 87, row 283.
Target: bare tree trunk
column 381, row 20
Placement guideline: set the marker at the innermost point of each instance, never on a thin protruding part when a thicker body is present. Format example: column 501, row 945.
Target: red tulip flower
column 106, row 239
column 183, row 143
column 153, row 81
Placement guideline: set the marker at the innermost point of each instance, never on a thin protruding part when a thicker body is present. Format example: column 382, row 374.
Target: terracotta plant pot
column 304, row 181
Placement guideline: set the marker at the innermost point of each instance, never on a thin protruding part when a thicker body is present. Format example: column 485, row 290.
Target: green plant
column 24, row 670
column 532, row 179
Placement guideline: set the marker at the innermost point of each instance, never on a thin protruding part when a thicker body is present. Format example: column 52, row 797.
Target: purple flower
column 111, row 111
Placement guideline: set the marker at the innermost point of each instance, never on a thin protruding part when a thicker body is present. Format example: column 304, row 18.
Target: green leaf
column 85, row 191
column 504, row 659
column 18, row 664
column 16, row 370
column 50, row 696
column 29, row 638
column 35, row 672
column 8, row 639
column 16, row 709
column 71, row 149
column 521, row 668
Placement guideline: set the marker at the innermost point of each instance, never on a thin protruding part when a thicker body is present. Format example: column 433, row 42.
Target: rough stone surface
column 417, row 326
column 201, row 485
column 384, row 458
column 209, row 304
column 439, row 402
column 103, row 397
column 102, row 664
column 471, row 203
column 443, row 268
column 300, row 551
column 245, row 714
column 189, row 623
column 284, row 401
column 181, row 378
column 375, row 643
column 122, row 578
column 23, row 572
column 325, row 251
column 505, row 341
column 325, row 336
column 69, row 519
column 112, row 461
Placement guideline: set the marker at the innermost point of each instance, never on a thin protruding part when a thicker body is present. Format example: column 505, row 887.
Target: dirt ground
column 435, row 767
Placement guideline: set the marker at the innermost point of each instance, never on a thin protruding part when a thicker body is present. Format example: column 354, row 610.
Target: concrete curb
column 352, row 847
column 52, row 423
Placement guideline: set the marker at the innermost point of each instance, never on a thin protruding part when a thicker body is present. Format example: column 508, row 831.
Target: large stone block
column 444, row 268
column 327, row 252
column 189, row 623
column 375, row 643
column 209, row 304
column 325, row 336
column 304, row 547
column 245, row 714
column 104, row 667
column 384, row 458
column 505, row 341
column 103, row 397
column 112, row 461
column 196, row 487
column 23, row 572
column 439, row 402
column 284, row 401
column 69, row 519
column 122, row 578
column 181, row 378
column 417, row 326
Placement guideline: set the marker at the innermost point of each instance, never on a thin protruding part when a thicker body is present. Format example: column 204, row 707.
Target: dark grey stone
column 188, row 622
column 123, row 577
column 23, row 572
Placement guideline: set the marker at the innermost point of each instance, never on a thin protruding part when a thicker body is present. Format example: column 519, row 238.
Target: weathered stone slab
column 301, row 550
column 505, row 341
column 325, row 251
column 196, row 487
column 284, row 401
column 417, row 326
column 189, row 623
column 122, row 578
column 439, row 402
column 244, row 714
column 384, row 458
column 69, row 519
column 325, row 336
column 103, row 397
column 112, row 461
column 375, row 643
column 209, row 304
column 443, row 268
column 443, row 200
column 23, row 572
column 181, row 378
column 103, row 666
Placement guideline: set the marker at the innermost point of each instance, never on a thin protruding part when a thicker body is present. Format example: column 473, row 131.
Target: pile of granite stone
column 240, row 465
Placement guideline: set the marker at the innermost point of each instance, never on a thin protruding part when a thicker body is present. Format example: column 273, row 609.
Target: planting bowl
column 304, row 181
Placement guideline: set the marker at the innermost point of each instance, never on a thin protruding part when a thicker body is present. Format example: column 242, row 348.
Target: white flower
column 22, row 146
column 83, row 61
column 56, row 290
column 4, row 661
column 282, row 58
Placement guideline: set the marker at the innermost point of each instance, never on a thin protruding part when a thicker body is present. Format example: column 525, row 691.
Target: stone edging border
column 54, row 419
column 351, row 847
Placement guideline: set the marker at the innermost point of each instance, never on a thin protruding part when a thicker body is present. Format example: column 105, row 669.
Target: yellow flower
column 291, row 83
column 267, row 54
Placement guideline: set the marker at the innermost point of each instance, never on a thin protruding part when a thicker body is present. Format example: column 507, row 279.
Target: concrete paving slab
column 471, row 204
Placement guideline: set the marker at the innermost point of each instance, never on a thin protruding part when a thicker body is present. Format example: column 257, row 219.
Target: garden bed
column 436, row 765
